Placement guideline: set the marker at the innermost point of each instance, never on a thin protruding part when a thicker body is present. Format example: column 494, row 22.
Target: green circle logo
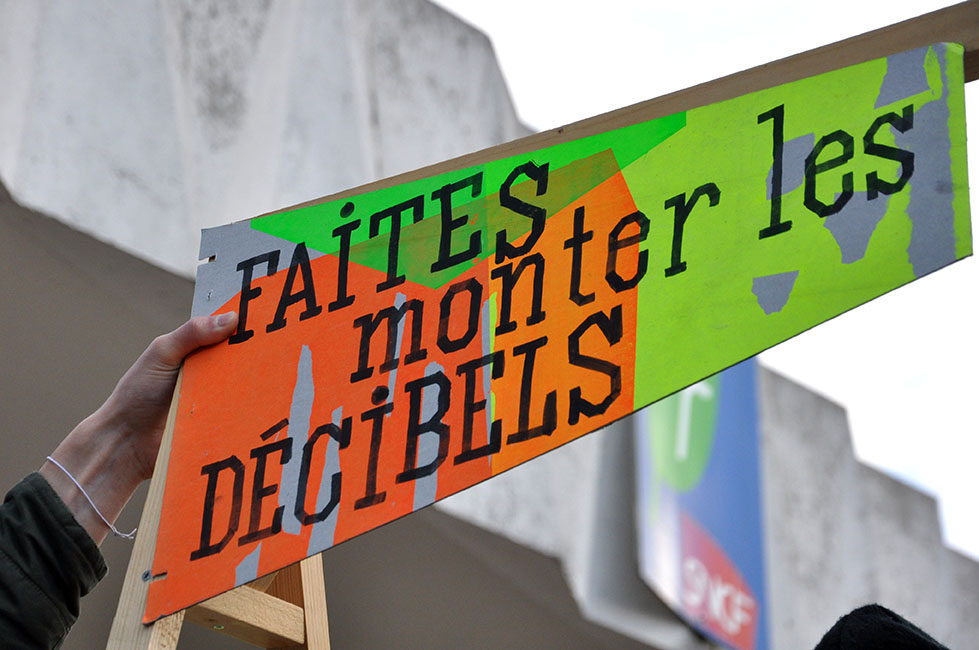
column 682, row 429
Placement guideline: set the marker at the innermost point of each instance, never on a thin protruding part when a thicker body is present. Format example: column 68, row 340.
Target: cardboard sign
column 401, row 345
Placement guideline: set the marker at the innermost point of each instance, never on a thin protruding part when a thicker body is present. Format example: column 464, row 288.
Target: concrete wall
column 142, row 122
column 841, row 534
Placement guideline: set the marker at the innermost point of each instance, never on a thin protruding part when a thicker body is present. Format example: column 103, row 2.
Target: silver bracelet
column 115, row 531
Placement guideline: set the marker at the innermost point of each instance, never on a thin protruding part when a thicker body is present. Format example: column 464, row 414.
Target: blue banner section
column 699, row 514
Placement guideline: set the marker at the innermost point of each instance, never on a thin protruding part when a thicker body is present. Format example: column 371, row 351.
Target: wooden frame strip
column 128, row 632
column 252, row 616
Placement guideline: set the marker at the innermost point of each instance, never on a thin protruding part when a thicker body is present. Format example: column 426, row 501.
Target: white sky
column 903, row 365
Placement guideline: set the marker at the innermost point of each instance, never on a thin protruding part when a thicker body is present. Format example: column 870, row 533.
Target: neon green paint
column 575, row 168
column 707, row 317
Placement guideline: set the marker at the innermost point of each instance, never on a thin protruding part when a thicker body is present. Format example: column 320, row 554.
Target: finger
column 170, row 349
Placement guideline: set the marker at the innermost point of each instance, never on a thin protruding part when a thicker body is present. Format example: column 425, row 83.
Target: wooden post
column 128, row 630
column 285, row 610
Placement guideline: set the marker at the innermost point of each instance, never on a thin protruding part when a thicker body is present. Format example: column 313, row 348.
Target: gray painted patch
column 487, row 372
column 794, row 154
column 219, row 281
column 426, row 488
column 930, row 206
column 399, row 300
column 853, row 226
column 773, row 291
column 905, row 77
column 299, row 414
column 247, row 569
column 322, row 535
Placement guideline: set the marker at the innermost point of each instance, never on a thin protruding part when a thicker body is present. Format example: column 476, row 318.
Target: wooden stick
column 314, row 602
column 252, row 616
column 273, row 619
column 286, row 609
column 128, row 631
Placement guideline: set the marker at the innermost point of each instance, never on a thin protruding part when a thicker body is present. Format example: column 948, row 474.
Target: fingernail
column 224, row 319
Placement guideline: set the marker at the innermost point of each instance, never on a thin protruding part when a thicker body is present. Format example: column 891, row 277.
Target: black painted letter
column 549, row 420
column 616, row 243
column 417, row 207
column 681, row 210
column 475, row 290
column 371, row 496
column 212, row 471
column 300, row 260
column 510, row 278
column 776, row 225
column 248, row 293
column 904, row 123
column 470, row 407
column 434, row 424
column 369, row 324
column 447, row 258
column 342, row 435
column 504, row 249
column 813, row 168
column 577, row 244
column 345, row 233
column 260, row 491
column 611, row 328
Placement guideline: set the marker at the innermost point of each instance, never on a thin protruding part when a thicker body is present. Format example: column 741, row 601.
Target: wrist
column 95, row 453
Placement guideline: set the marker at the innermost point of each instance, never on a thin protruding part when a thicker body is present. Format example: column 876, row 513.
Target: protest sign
column 397, row 346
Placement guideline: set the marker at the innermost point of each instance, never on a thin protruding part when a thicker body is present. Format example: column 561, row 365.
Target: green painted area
column 485, row 215
column 706, row 318
column 574, row 169
column 696, row 322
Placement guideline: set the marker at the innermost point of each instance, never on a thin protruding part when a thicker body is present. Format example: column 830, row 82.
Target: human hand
column 138, row 406
column 113, row 450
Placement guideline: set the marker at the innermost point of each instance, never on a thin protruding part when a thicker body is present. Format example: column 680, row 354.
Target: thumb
column 169, row 350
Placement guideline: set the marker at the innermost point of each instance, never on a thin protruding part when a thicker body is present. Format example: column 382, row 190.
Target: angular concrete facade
column 142, row 122
column 841, row 534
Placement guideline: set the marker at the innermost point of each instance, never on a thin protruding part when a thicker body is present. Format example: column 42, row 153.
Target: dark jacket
column 47, row 563
column 873, row 627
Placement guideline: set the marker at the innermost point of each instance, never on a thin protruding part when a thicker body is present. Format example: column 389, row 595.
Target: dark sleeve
column 873, row 626
column 47, row 563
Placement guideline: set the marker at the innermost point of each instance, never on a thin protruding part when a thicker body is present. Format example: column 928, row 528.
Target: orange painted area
column 262, row 373
column 233, row 393
column 604, row 206
column 211, row 425
column 398, row 497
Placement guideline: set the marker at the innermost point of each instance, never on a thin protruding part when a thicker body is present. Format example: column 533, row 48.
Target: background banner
column 698, row 506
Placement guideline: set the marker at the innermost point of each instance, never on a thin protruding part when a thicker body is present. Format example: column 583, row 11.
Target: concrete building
column 126, row 128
